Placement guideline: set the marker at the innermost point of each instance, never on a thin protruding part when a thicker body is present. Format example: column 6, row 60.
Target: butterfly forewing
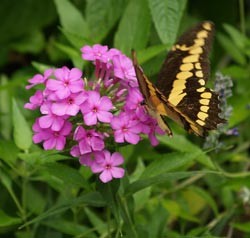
column 180, row 87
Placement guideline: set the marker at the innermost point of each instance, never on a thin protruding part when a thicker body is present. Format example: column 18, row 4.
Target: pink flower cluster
column 92, row 112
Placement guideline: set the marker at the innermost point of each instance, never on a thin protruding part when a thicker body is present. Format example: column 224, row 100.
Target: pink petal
column 105, row 176
column 117, row 159
column 96, row 167
column 84, row 147
column 49, row 144
column 90, row 119
column 117, row 172
column 72, row 110
column 75, row 74
column 60, row 143
column 59, row 108
column 105, row 104
column 104, row 116
column 76, row 86
column 62, row 73
column 93, row 97
column 45, row 121
column 132, row 138
column 53, row 84
column 119, row 136
column 97, row 144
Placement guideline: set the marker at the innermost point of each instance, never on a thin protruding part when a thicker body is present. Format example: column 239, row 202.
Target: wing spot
column 199, row 73
column 182, row 47
column 201, row 82
column 184, row 75
column 202, row 116
column 196, row 50
column 204, row 108
column 198, row 65
column 199, row 42
column 186, row 67
column 204, row 102
column 190, row 59
column 200, row 122
column 200, row 90
column 206, row 95
column 207, row 26
column 177, row 98
column 202, row 34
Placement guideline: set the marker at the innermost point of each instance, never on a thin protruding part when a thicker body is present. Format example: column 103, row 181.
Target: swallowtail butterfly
column 180, row 92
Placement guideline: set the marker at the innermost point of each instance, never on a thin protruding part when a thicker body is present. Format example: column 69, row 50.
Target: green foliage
column 176, row 189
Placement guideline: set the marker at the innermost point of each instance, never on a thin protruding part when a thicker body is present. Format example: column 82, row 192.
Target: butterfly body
column 180, row 91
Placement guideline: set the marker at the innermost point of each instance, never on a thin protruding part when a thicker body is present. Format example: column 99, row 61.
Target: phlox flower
column 51, row 139
column 126, row 129
column 39, row 78
column 70, row 105
column 66, row 82
column 124, row 69
column 35, row 101
column 97, row 52
column 50, row 120
column 88, row 140
column 96, row 108
column 107, row 164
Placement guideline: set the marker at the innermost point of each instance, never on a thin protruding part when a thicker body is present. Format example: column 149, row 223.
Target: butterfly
column 180, row 92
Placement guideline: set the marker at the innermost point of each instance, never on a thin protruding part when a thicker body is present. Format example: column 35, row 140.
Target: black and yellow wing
column 180, row 88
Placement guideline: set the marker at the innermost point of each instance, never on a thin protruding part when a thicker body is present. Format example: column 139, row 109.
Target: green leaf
column 157, row 223
column 22, row 132
column 167, row 15
column 40, row 67
column 32, row 15
column 207, row 197
column 158, row 179
column 238, row 38
column 182, row 144
column 240, row 111
column 95, row 221
column 169, row 162
column 5, row 109
column 71, row 19
column 243, row 226
column 91, row 199
column 62, row 176
column 67, row 227
column 33, row 42
column 150, row 52
column 101, row 16
column 72, row 53
column 231, row 49
column 134, row 27
column 6, row 220
column 33, row 199
column 8, row 151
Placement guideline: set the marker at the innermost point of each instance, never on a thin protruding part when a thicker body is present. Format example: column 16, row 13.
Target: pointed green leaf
column 71, row 18
column 134, row 27
column 6, row 220
column 22, row 131
column 167, row 15
column 182, row 144
column 101, row 16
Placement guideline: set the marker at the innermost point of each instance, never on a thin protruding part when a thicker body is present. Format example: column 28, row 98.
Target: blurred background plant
column 177, row 189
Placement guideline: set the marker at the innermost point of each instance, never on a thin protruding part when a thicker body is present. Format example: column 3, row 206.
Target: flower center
column 56, row 133
column 108, row 166
column 70, row 101
column 124, row 129
column 95, row 109
column 66, row 83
